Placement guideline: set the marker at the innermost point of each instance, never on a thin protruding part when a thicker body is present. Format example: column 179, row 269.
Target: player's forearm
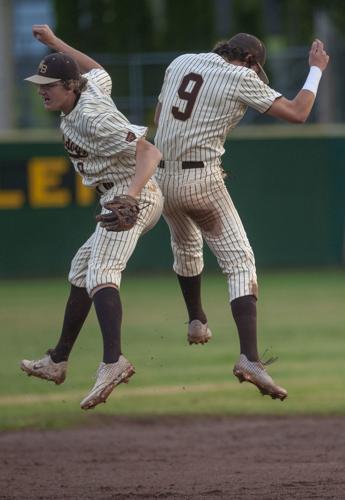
column 45, row 35
column 303, row 102
column 144, row 172
column 296, row 110
column 85, row 62
column 147, row 159
column 302, row 105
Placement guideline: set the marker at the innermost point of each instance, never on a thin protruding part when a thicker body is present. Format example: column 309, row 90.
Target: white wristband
column 313, row 79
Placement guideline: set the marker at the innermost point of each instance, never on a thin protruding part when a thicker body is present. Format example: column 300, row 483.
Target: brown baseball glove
column 124, row 213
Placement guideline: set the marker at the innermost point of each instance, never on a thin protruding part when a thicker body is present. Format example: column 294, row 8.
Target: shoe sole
column 31, row 373
column 198, row 340
column 244, row 377
column 102, row 397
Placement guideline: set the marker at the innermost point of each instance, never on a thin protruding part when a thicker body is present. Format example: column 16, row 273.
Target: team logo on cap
column 42, row 67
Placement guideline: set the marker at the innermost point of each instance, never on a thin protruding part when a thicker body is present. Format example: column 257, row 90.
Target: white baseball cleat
column 255, row 373
column 109, row 375
column 198, row 332
column 45, row 368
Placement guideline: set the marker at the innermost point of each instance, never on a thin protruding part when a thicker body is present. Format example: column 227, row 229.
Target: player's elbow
column 154, row 152
column 299, row 118
column 146, row 148
column 290, row 111
column 157, row 154
column 300, row 111
column 294, row 114
column 300, row 115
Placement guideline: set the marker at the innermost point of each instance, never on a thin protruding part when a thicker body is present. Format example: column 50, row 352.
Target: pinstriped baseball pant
column 198, row 206
column 103, row 257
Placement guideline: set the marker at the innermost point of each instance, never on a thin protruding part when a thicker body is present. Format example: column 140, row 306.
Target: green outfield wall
column 287, row 183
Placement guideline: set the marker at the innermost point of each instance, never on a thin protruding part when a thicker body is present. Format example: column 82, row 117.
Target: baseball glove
column 124, row 213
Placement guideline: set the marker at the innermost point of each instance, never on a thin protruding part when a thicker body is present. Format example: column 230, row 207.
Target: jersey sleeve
column 255, row 93
column 101, row 78
column 115, row 135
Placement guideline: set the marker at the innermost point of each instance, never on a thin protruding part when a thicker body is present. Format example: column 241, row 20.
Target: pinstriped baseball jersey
column 102, row 144
column 203, row 97
column 99, row 139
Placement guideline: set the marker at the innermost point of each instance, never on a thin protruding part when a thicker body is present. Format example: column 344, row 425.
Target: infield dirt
column 187, row 458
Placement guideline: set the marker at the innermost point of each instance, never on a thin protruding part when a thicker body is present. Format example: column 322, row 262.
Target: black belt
column 186, row 164
column 102, row 188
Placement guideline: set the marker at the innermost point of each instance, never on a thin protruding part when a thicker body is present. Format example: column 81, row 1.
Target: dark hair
column 78, row 86
column 245, row 48
column 229, row 52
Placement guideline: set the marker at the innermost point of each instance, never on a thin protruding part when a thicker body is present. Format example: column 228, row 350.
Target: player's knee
column 100, row 278
column 188, row 267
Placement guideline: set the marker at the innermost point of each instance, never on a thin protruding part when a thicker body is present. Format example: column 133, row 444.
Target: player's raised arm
column 298, row 109
column 45, row 35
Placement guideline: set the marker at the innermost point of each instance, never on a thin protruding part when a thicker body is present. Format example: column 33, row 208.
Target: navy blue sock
column 109, row 313
column 77, row 308
column 244, row 313
column 191, row 290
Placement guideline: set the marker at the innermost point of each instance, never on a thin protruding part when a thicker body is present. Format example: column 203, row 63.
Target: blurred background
column 136, row 40
column 288, row 181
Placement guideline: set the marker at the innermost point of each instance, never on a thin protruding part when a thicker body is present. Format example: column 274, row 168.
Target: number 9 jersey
column 203, row 97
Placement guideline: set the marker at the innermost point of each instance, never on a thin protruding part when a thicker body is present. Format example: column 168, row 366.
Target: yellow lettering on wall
column 45, row 178
column 10, row 200
column 84, row 195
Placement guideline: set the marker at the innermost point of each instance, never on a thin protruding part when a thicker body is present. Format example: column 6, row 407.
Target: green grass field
column 301, row 319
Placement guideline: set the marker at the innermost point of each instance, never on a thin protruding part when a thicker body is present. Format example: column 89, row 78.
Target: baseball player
column 203, row 97
column 112, row 156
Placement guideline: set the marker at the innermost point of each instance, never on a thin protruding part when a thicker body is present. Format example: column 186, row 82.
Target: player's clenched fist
column 43, row 33
column 317, row 55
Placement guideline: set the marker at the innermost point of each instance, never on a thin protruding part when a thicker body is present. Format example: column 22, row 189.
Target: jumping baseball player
column 113, row 157
column 203, row 97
